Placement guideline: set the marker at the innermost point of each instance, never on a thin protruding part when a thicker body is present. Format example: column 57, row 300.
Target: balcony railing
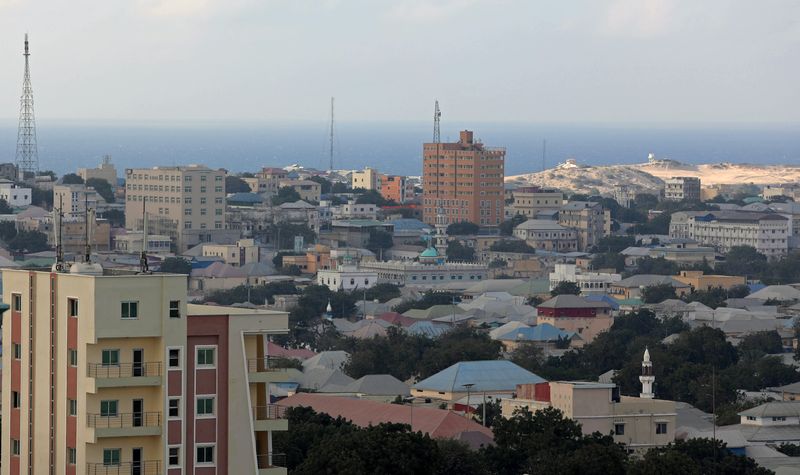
column 271, row 460
column 146, row 467
column 268, row 412
column 123, row 370
column 266, row 363
column 124, row 420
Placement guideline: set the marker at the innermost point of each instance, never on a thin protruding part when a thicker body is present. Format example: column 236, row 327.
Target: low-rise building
column 530, row 200
column 547, row 235
column 347, row 278
column 245, row 251
column 589, row 220
column 699, row 281
column 299, row 212
column 131, row 243
column 682, row 188
column 496, row 377
column 430, row 271
column 353, row 232
column 74, row 200
column 105, row 171
column 631, row 288
column 16, row 196
column 588, row 282
column 396, row 188
column 307, row 189
column 768, row 233
column 368, row 179
column 574, row 314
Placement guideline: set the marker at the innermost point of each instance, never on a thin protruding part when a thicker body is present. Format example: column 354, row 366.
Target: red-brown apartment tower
column 463, row 181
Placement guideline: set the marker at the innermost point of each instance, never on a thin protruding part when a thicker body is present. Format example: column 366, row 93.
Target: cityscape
column 266, row 317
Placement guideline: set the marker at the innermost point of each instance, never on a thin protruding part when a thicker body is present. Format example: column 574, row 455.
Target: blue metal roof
column 494, row 375
column 245, row 198
column 409, row 223
column 604, row 298
column 543, row 332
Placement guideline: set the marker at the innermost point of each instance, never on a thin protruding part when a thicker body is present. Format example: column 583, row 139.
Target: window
column 110, row 357
column 73, row 357
column 174, row 309
column 174, row 456
column 174, row 407
column 205, row 357
column 17, row 351
column 72, row 405
column 111, row 456
column 778, row 419
column 619, row 429
column 205, row 406
column 109, row 408
column 130, row 310
column 72, row 455
column 72, row 307
column 205, row 454
column 174, row 358
column 15, row 399
column 187, row 212
column 661, row 427
column 16, row 302
column 14, row 446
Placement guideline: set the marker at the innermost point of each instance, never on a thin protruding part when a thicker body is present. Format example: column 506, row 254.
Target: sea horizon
column 392, row 146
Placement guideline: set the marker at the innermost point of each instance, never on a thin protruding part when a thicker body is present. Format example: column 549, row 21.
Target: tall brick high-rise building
column 463, row 181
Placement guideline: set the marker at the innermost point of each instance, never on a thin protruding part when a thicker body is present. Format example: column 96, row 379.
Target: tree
column 743, row 260
column 658, row 266
column 428, row 300
column 459, row 252
column 609, row 260
column 373, row 197
column 529, row 356
column 325, row 185
column 565, row 287
column 285, row 233
column 277, row 260
column 340, row 187
column 115, row 217
column 234, row 184
column 492, row 410
column 41, row 198
column 714, row 297
column 256, row 293
column 71, row 179
column 498, row 264
column 614, row 244
column 8, row 230
column 658, row 293
column 383, row 292
column 512, row 245
column 102, row 187
column 28, row 241
column 4, row 208
column 462, row 228
column 507, row 226
column 175, row 265
column 286, row 194
column 379, row 240
column 694, row 456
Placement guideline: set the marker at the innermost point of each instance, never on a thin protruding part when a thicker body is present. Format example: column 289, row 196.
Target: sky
column 575, row 61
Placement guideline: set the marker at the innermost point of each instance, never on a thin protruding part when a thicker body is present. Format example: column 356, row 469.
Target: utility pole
column 437, row 114
column 330, row 164
column 27, row 157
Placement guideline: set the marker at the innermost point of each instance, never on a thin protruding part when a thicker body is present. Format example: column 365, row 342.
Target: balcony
column 271, row 464
column 133, row 424
column 269, row 417
column 124, row 374
column 147, row 467
column 266, row 370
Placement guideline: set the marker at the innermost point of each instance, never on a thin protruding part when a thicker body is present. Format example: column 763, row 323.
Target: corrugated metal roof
column 492, row 375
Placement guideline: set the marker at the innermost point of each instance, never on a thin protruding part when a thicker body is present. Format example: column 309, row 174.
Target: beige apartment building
column 245, row 251
column 463, row 181
column 111, row 373
column 529, row 200
column 105, row 171
column 682, row 188
column 588, row 219
column 74, row 200
column 368, row 179
column 307, row 189
column 186, row 203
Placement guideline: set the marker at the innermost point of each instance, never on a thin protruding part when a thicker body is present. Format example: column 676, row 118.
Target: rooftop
column 491, row 375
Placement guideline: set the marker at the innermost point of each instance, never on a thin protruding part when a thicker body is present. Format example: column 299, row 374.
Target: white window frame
column 129, row 309
column 180, row 358
column 171, row 465
column 197, row 399
column 180, row 408
column 213, row 463
column 197, row 353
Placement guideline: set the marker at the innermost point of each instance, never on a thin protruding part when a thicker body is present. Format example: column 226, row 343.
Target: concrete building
column 16, row 196
column 547, row 235
column 789, row 190
column 368, row 179
column 699, row 281
column 588, row 282
column 396, row 188
column 120, row 375
column 463, row 181
column 588, row 219
column 353, row 210
column 105, row 171
column 574, row 314
column 245, row 251
column 353, row 232
column 430, row 271
column 307, row 189
column 768, row 233
column 186, row 203
column 682, row 188
column 631, row 288
column 272, row 177
column 530, row 200
column 131, row 243
column 299, row 212
column 258, row 185
column 497, row 377
column 74, row 199
column 624, row 195
column 347, row 278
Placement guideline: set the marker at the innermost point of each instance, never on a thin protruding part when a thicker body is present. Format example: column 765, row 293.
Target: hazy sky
column 518, row 60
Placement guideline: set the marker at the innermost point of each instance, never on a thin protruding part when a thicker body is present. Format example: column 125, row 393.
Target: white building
column 352, row 210
column 588, row 282
column 347, row 278
column 548, row 235
column 74, row 199
column 768, row 233
column 14, row 195
column 430, row 271
column 131, row 243
column 680, row 188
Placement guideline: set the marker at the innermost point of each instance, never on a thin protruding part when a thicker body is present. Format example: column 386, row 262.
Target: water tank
column 85, row 268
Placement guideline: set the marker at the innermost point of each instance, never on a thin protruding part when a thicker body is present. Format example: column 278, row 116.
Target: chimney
column 466, row 137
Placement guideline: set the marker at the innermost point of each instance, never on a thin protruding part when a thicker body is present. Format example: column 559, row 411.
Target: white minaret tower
column 441, row 233
column 647, row 378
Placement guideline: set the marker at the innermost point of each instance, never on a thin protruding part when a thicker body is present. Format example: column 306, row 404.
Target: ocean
column 392, row 147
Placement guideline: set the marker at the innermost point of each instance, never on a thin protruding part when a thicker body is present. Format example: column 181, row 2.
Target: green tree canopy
column 28, row 241
column 71, row 179
column 379, row 240
column 103, row 188
column 286, row 194
column 175, row 265
column 462, row 228
column 459, row 252
column 325, row 185
column 507, row 226
column 565, row 287
column 658, row 293
column 234, row 184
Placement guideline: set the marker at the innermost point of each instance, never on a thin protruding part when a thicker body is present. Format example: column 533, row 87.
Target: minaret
column 328, row 311
column 27, row 158
column 647, row 378
column 441, row 234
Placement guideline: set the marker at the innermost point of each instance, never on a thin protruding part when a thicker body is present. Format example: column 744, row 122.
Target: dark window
column 174, row 358
column 72, row 307
column 174, row 309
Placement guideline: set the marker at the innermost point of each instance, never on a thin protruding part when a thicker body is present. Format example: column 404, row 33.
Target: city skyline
column 613, row 61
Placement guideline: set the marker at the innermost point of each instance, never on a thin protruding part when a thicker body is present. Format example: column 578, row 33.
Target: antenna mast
column 330, row 164
column 437, row 114
column 144, row 267
column 27, row 157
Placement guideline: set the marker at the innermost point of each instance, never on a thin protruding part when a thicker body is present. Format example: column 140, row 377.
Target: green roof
column 429, row 252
